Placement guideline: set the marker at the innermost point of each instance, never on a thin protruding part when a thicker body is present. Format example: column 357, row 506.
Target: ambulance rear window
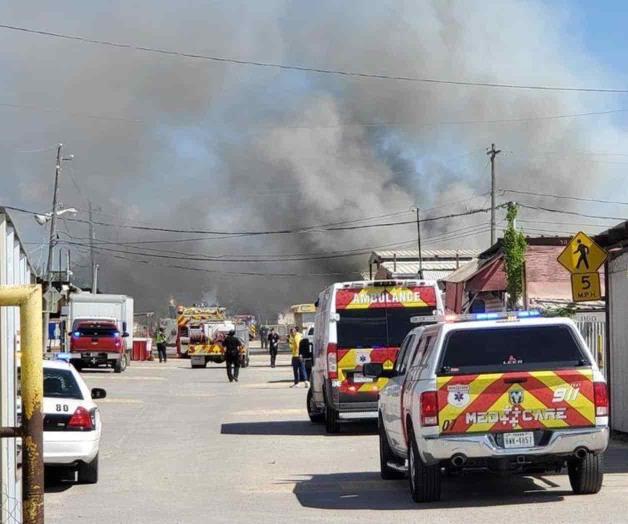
column 512, row 348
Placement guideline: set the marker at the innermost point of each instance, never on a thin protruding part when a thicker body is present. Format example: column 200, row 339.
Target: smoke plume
column 174, row 142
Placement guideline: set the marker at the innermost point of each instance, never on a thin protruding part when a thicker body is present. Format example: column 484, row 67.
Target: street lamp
column 46, row 217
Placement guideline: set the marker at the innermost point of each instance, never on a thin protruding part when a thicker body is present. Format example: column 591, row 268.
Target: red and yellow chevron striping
column 498, row 402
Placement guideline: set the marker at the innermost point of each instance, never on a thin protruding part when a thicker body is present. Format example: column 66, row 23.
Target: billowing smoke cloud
column 193, row 144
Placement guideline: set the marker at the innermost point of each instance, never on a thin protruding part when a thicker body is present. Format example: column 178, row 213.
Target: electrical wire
column 310, row 229
column 550, row 195
column 300, row 68
column 307, row 257
column 573, row 213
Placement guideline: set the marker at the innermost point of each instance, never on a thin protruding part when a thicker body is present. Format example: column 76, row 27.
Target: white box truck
column 93, row 339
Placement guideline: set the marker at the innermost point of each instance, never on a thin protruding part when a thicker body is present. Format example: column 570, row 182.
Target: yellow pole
column 28, row 298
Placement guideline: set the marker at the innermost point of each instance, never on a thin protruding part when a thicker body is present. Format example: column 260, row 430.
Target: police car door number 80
column 524, row 439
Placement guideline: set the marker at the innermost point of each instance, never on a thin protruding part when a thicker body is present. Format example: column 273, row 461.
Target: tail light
column 81, row 420
column 600, row 395
column 429, row 408
column 332, row 362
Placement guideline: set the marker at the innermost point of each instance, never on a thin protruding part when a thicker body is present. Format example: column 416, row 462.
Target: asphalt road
column 185, row 446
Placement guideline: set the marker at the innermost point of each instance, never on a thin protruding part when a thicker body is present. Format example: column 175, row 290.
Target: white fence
column 592, row 326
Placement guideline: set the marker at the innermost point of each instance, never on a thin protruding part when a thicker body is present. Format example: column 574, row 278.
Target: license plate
column 525, row 439
column 198, row 360
column 358, row 378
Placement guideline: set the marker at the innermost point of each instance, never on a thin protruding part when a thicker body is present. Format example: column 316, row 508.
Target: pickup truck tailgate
column 498, row 402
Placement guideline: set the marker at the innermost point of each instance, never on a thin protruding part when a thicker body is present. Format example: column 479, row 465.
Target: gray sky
column 182, row 143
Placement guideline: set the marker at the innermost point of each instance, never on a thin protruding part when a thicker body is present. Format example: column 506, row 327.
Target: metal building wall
column 618, row 334
column 14, row 270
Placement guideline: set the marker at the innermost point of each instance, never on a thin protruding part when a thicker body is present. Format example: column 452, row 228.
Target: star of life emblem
column 458, row 395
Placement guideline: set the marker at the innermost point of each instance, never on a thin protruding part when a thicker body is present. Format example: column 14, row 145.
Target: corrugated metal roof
column 11, row 222
column 464, row 272
column 413, row 267
column 426, row 253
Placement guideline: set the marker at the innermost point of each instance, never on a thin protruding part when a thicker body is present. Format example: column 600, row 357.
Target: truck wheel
column 315, row 416
column 386, row 455
column 425, row 481
column 88, row 473
column 117, row 365
column 331, row 419
column 585, row 475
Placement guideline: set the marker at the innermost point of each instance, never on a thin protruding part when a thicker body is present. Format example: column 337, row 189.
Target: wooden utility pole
column 418, row 230
column 492, row 153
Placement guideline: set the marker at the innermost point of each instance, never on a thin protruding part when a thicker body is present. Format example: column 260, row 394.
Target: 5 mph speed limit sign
column 585, row 286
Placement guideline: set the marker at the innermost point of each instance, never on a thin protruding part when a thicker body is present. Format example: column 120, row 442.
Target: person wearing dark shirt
column 232, row 345
column 273, row 346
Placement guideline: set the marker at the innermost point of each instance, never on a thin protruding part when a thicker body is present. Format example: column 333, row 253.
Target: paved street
column 185, row 446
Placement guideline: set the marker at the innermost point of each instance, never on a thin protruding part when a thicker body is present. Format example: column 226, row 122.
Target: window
column 376, row 327
column 60, row 383
column 521, row 348
column 427, row 349
column 419, row 352
column 97, row 331
column 404, row 354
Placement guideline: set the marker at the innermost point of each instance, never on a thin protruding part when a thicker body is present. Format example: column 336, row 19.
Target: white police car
column 72, row 423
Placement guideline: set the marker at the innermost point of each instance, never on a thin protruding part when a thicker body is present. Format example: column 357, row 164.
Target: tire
column 332, row 425
column 117, row 365
column 386, row 455
column 586, row 475
column 124, row 361
column 424, row 480
column 315, row 417
column 88, row 473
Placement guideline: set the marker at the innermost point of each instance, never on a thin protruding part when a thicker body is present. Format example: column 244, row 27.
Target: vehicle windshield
column 60, row 383
column 376, row 327
column 502, row 349
column 97, row 331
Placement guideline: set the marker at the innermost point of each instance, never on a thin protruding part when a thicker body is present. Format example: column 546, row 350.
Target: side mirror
column 98, row 393
column 125, row 334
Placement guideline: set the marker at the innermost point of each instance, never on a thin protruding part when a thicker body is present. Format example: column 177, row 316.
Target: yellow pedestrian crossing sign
column 582, row 255
column 585, row 286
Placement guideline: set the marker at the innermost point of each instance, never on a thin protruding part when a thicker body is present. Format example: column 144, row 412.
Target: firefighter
column 232, row 345
column 160, row 339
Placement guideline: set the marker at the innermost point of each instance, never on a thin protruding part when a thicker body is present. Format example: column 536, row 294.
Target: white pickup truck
column 508, row 393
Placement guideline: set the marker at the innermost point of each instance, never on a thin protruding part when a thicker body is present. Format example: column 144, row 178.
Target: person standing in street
column 160, row 339
column 232, row 345
column 263, row 336
column 298, row 365
column 273, row 346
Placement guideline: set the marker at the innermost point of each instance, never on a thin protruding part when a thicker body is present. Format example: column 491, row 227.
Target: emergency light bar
column 503, row 315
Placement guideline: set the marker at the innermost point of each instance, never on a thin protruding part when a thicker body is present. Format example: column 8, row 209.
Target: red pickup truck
column 95, row 343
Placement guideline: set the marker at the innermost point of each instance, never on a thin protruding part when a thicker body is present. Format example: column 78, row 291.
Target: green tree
column 514, row 257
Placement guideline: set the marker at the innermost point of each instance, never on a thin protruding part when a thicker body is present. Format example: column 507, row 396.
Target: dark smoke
column 194, row 144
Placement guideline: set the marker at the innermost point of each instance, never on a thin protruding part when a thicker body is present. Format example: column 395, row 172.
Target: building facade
column 15, row 269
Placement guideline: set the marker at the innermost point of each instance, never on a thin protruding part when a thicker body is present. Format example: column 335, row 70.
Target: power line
column 338, row 72
column 218, row 272
column 564, row 212
column 306, row 257
column 116, row 118
column 309, row 229
column 550, row 195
